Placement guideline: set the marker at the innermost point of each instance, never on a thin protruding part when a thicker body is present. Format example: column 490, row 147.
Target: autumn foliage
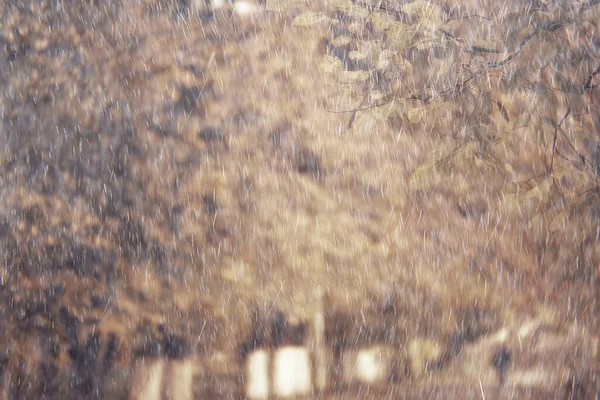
column 510, row 90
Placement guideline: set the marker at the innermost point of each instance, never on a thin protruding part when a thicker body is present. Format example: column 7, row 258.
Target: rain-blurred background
column 428, row 169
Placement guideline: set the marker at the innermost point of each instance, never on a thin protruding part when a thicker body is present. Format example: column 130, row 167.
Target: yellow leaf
column 443, row 112
column 356, row 55
column 424, row 176
column 386, row 56
column 330, row 64
column 535, row 200
column 381, row 22
column 426, row 43
column 398, row 109
column 309, row 18
column 430, row 24
column 280, row 5
column 461, row 158
column 447, row 158
column 376, row 95
column 423, row 10
column 415, row 115
column 489, row 45
column 341, row 41
column 356, row 29
column 360, row 76
column 400, row 35
column 370, row 48
column 351, row 9
column 364, row 122
column 384, row 112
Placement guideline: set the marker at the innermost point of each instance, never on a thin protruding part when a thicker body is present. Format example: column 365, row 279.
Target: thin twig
column 556, row 129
